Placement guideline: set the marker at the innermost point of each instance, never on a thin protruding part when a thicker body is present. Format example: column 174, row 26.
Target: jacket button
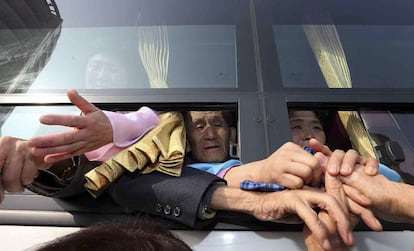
column 158, row 208
column 167, row 209
column 177, row 211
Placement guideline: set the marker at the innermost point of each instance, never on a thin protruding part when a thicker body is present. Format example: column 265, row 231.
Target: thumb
column 80, row 102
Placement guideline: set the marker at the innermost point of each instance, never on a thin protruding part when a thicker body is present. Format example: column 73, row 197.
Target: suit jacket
column 174, row 198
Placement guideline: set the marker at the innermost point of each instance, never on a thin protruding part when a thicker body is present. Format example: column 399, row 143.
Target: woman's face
column 305, row 125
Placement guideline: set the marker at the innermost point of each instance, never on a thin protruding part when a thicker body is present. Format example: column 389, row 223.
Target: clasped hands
column 329, row 170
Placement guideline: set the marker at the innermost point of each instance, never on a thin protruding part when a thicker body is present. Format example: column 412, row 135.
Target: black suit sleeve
column 180, row 199
column 174, row 198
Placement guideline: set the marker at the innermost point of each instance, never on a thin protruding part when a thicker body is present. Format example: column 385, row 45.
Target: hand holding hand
column 355, row 207
column 385, row 195
column 292, row 167
column 342, row 163
column 330, row 230
column 18, row 167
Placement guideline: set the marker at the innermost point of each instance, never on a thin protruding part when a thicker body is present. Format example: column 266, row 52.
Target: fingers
column 319, row 147
column 291, row 159
column 58, row 147
column 63, row 120
column 80, row 102
column 53, row 158
column 350, row 159
column 52, row 141
column 366, row 215
column 371, row 166
column 297, row 175
column 329, row 204
column 319, row 229
column 343, row 225
column 291, row 181
column 343, row 163
column 355, row 195
column 314, row 225
column 333, row 165
column 334, row 187
column 310, row 165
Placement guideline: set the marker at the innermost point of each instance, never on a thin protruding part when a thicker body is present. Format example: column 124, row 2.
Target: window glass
column 127, row 44
column 345, row 56
column 111, row 57
column 23, row 121
column 384, row 135
column 394, row 139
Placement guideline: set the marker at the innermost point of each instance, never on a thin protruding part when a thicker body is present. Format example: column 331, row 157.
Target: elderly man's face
column 304, row 125
column 209, row 136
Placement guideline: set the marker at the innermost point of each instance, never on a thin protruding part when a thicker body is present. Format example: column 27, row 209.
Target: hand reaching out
column 91, row 130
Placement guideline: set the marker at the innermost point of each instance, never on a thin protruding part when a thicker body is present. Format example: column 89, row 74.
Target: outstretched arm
column 289, row 206
column 92, row 130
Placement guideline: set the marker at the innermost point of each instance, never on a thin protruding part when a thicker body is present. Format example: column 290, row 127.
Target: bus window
column 393, row 137
column 386, row 133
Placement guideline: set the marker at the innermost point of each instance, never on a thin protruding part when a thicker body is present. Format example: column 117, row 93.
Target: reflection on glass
column 117, row 50
column 154, row 51
column 199, row 56
column 377, row 56
column 105, row 70
column 26, row 42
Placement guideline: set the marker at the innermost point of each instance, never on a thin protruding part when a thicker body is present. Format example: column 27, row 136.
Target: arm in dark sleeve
column 175, row 198
column 64, row 178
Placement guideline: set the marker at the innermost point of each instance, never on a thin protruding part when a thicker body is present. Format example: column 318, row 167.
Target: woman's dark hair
column 140, row 235
column 324, row 117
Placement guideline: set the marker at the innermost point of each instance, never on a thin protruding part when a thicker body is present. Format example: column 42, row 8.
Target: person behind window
column 305, row 125
column 153, row 191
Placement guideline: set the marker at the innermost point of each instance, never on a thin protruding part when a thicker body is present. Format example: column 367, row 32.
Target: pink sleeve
column 127, row 128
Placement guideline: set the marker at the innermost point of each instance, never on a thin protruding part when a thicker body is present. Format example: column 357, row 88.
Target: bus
column 255, row 58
